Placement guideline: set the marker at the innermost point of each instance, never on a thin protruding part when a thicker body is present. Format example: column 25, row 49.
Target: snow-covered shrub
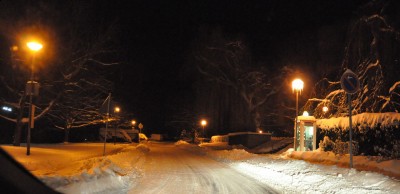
column 342, row 148
column 372, row 140
column 396, row 149
column 326, row 144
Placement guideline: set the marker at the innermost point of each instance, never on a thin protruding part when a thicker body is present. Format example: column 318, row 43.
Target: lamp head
column 203, row 122
column 34, row 46
column 297, row 85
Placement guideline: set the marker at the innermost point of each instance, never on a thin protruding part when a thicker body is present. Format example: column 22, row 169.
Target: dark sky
column 156, row 37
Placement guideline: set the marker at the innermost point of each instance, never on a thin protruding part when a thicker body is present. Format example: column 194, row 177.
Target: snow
column 365, row 119
column 316, row 176
column 82, row 168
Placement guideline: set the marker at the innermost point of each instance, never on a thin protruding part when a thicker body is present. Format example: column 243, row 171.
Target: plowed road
column 170, row 169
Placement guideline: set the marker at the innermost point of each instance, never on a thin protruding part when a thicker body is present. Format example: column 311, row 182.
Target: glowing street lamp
column 133, row 123
column 297, row 86
column 203, row 124
column 34, row 47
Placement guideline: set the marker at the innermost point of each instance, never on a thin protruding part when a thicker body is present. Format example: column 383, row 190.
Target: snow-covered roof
column 306, row 118
column 364, row 119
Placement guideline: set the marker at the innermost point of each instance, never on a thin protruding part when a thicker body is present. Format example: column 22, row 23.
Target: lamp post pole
column 33, row 46
column 108, row 100
column 31, row 111
column 133, row 122
column 297, row 85
column 203, row 124
column 116, row 111
column 295, row 121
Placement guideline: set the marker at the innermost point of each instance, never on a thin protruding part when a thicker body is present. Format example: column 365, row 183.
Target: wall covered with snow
column 219, row 138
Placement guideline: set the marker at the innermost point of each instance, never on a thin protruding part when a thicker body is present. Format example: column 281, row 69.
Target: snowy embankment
column 317, row 176
column 82, row 168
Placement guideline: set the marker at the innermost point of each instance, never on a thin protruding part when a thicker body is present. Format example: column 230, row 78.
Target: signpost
column 350, row 84
column 140, row 130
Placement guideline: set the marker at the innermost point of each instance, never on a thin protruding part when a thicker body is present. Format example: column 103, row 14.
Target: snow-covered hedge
column 375, row 133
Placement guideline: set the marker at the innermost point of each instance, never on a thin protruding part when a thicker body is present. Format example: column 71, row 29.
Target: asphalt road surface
column 170, row 169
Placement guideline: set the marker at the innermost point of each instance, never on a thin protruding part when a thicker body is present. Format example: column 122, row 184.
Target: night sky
column 155, row 40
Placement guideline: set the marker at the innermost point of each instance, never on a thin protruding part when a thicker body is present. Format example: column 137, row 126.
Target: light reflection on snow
column 298, row 176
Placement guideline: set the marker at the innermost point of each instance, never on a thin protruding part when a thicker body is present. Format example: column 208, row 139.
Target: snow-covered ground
column 316, row 172
column 81, row 168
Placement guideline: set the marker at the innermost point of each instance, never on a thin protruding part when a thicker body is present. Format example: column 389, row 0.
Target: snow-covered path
column 170, row 169
column 152, row 167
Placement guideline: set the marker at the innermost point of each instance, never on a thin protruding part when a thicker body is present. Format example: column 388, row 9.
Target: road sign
column 350, row 82
column 140, row 126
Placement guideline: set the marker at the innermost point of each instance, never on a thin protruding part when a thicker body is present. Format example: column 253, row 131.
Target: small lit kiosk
column 306, row 133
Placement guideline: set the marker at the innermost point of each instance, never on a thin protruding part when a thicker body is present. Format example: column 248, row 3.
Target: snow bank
column 96, row 175
column 368, row 163
column 298, row 176
column 114, row 172
column 181, row 142
column 364, row 119
column 82, row 168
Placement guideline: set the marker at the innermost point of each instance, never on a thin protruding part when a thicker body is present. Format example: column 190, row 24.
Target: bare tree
column 78, row 57
column 372, row 51
column 229, row 62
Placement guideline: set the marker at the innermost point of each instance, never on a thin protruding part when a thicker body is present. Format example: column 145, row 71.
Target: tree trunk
column 19, row 124
column 257, row 119
column 66, row 134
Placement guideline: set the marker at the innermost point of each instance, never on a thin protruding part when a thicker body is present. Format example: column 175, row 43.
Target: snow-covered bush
column 326, row 144
column 342, row 148
column 372, row 140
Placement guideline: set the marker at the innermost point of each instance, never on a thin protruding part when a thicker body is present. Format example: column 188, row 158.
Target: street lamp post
column 133, row 128
column 133, row 124
column 116, row 110
column 203, row 124
column 34, row 47
column 297, row 86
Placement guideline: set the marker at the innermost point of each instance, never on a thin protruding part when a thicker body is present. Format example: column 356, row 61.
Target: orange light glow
column 117, row 109
column 34, row 46
column 203, row 122
column 297, row 85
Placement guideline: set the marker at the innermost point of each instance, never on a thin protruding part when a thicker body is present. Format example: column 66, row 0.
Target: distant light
column 305, row 113
column 117, row 109
column 133, row 122
column 203, row 122
column 14, row 48
column 260, row 131
column 6, row 108
column 325, row 109
column 34, row 46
